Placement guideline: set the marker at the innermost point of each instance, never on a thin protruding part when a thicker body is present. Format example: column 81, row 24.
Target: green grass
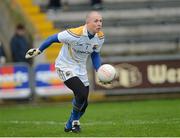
column 139, row 118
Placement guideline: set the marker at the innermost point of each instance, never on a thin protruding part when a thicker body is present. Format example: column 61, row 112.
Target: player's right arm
column 36, row 51
column 62, row 37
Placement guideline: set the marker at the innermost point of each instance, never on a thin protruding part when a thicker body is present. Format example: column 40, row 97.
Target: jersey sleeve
column 101, row 42
column 96, row 60
column 64, row 37
column 48, row 42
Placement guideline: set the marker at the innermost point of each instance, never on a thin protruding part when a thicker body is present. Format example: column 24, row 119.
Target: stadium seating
column 131, row 26
column 43, row 26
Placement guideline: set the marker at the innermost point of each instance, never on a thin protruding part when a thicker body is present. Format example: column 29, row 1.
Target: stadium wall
column 19, row 81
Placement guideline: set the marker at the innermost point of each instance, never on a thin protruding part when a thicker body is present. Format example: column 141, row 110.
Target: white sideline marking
column 164, row 121
column 127, row 122
column 54, row 122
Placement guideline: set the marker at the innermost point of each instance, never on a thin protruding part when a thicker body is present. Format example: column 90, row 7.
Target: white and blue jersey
column 77, row 46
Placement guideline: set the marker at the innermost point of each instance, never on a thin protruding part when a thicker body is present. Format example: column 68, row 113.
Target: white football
column 106, row 73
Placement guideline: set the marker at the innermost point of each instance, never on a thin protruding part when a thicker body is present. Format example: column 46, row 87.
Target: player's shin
column 69, row 122
column 82, row 107
column 75, row 115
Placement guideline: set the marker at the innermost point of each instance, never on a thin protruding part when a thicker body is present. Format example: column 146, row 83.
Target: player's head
column 94, row 21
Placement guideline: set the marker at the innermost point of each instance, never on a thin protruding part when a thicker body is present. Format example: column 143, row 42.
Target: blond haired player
column 78, row 44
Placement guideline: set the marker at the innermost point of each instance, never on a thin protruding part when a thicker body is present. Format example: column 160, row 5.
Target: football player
column 78, row 44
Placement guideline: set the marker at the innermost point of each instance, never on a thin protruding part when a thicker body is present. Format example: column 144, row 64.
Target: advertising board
column 14, row 81
column 47, row 82
column 147, row 74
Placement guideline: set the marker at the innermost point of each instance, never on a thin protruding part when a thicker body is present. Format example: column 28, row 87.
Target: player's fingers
column 28, row 56
column 30, row 53
column 109, row 82
column 105, row 83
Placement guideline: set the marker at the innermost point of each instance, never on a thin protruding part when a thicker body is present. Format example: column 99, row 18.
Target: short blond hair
column 90, row 14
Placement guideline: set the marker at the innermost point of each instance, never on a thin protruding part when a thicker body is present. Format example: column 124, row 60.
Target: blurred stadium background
column 142, row 42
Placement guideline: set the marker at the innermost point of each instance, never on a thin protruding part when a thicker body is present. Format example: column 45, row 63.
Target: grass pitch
column 138, row 118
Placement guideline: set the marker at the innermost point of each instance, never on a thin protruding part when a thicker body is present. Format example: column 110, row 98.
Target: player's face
column 95, row 24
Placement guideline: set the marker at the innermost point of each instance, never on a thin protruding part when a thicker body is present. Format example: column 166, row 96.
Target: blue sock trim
column 69, row 123
column 75, row 115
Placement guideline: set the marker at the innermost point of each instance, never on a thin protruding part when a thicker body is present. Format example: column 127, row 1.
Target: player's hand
column 105, row 83
column 32, row 53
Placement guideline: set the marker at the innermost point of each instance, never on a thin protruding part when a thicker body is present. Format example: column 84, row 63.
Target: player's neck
column 90, row 35
column 91, row 32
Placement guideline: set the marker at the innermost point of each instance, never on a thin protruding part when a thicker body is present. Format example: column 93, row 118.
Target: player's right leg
column 79, row 102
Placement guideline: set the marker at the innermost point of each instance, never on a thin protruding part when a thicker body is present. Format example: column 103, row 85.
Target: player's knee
column 81, row 101
column 82, row 95
column 81, row 98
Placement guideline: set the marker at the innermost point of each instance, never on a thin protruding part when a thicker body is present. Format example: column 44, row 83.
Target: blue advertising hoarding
column 47, row 82
column 14, row 81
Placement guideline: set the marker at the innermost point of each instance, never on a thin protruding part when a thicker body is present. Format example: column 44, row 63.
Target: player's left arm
column 95, row 55
column 96, row 60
